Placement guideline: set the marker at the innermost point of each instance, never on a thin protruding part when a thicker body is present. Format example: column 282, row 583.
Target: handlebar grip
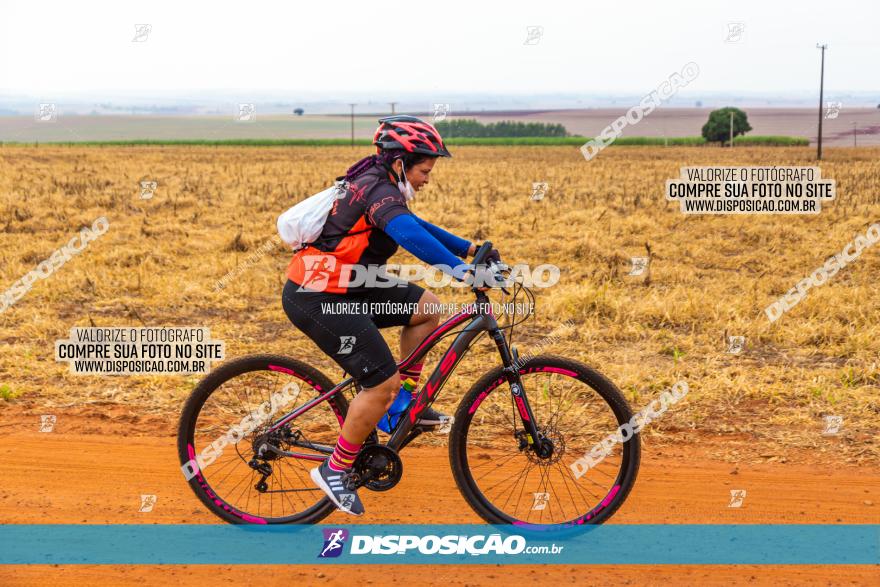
column 481, row 253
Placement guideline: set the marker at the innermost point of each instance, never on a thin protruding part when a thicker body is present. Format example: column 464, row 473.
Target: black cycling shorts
column 346, row 325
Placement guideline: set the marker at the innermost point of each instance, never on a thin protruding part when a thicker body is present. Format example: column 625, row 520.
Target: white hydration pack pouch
column 302, row 224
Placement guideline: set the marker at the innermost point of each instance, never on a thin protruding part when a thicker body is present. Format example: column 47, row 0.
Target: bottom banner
column 439, row 544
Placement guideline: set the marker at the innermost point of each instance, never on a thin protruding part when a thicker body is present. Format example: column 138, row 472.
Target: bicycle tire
column 492, row 382
column 214, row 380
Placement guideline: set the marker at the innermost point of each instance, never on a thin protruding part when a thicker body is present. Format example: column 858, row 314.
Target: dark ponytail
column 385, row 159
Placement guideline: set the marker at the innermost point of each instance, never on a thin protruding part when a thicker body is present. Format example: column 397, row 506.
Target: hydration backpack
column 302, row 224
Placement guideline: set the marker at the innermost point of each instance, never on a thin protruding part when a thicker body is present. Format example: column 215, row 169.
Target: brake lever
column 497, row 268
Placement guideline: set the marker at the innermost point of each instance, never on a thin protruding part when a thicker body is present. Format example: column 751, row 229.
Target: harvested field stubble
column 710, row 277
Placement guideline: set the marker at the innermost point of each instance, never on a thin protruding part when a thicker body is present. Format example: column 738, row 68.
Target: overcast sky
column 329, row 47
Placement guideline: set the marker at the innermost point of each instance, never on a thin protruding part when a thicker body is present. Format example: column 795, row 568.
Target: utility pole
column 393, row 104
column 855, row 141
column 821, row 97
column 352, row 123
column 731, row 129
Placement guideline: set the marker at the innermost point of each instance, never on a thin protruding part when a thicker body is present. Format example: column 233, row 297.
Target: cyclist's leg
column 421, row 324
column 413, row 308
column 368, row 407
column 353, row 340
column 418, row 312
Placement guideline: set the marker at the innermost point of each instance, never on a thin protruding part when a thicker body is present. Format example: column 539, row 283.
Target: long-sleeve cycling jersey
column 428, row 244
column 357, row 233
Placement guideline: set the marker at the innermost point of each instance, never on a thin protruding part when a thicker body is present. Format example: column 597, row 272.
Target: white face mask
column 405, row 186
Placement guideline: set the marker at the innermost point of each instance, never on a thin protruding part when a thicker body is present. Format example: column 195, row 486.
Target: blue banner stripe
column 400, row 544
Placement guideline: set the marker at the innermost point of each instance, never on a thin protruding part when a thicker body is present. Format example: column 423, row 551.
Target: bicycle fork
column 510, row 359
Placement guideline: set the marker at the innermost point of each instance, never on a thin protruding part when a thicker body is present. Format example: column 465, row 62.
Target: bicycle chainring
column 377, row 467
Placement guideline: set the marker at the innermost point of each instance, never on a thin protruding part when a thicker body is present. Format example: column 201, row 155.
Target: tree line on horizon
column 470, row 127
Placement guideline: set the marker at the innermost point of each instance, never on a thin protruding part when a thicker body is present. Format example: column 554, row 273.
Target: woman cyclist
column 364, row 229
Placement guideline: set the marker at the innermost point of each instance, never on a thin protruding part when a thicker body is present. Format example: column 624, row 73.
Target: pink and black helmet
column 410, row 134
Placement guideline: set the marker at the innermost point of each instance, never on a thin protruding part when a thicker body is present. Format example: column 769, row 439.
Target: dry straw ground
column 710, row 277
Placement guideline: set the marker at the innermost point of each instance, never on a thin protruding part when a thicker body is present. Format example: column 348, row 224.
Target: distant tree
column 699, row 104
column 298, row 111
column 717, row 128
column 469, row 127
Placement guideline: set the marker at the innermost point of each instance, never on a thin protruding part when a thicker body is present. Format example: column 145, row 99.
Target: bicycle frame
column 481, row 319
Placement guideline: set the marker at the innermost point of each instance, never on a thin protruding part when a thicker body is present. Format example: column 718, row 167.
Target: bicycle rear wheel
column 505, row 482
column 223, row 428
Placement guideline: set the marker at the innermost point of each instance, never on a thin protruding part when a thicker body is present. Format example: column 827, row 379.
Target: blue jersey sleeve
column 412, row 236
column 456, row 244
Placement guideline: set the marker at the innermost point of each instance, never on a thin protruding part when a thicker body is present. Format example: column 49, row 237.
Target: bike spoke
column 246, row 489
column 542, row 487
column 497, row 465
column 567, row 472
column 561, row 502
column 525, row 478
column 567, row 488
column 281, row 470
column 215, row 472
column 234, row 487
column 281, row 477
column 512, row 485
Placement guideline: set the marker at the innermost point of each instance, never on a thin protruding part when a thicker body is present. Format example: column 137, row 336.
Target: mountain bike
column 252, row 429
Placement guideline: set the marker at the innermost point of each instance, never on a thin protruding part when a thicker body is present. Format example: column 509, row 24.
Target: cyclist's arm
column 412, row 236
column 456, row 244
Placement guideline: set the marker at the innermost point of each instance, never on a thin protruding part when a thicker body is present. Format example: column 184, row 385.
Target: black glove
column 493, row 255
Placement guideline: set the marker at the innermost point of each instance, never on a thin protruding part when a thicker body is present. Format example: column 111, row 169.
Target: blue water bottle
column 401, row 403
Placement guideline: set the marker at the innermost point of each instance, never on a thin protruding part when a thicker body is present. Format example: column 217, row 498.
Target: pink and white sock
column 343, row 455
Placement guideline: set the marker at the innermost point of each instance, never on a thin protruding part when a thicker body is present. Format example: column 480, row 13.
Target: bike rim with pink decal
column 240, row 470
column 577, row 409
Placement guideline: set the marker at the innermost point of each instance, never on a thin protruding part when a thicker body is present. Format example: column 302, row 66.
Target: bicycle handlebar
column 481, row 253
column 494, row 269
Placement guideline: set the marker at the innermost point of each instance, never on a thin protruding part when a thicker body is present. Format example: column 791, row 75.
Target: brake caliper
column 525, row 439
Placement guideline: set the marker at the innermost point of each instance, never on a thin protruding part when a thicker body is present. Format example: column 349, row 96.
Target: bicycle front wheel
column 506, row 482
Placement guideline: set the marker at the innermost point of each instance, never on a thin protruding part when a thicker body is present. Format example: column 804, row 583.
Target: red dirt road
column 95, row 479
